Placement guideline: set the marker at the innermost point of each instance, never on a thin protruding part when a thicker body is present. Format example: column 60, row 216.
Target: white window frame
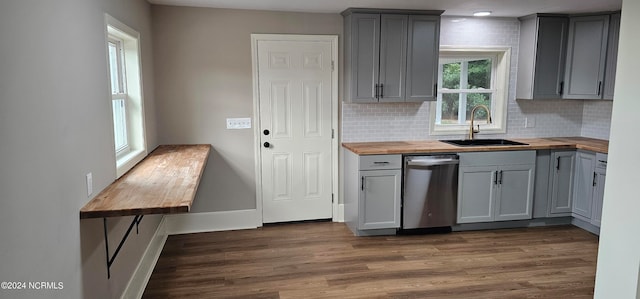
column 131, row 92
column 501, row 57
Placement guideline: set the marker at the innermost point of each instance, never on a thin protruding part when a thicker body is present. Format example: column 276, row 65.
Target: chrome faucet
column 473, row 111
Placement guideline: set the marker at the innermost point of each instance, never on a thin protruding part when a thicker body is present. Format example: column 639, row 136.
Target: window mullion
column 462, row 99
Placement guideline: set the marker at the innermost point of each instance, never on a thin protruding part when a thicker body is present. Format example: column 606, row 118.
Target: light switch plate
column 89, row 184
column 238, row 123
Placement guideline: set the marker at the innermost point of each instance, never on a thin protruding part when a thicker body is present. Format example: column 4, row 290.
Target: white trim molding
column 213, row 221
column 142, row 273
column 334, row 114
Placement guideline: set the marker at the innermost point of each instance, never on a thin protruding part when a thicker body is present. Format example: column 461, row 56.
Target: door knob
column 266, row 132
column 267, row 144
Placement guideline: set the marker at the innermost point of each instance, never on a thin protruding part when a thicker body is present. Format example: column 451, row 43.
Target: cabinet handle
column 379, row 163
column 599, row 86
column 362, row 183
column 561, row 87
column 376, row 91
column 435, row 90
column 500, row 181
column 595, row 179
column 558, row 163
column 381, row 90
column 495, row 178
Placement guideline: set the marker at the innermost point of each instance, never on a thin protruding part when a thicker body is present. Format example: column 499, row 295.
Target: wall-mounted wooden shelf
column 165, row 182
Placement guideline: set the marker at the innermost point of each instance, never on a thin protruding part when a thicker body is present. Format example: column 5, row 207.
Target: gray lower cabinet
column 496, row 186
column 372, row 190
column 586, row 57
column 379, row 204
column 591, row 174
column 541, row 56
column 598, row 196
column 561, row 183
column 585, row 180
column 391, row 55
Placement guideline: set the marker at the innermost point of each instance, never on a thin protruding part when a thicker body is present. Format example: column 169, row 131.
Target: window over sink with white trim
column 468, row 77
column 125, row 78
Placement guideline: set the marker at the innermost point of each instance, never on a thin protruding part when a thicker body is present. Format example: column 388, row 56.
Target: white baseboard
column 338, row 213
column 138, row 282
column 211, row 222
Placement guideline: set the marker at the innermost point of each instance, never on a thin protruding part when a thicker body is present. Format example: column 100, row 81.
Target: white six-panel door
column 295, row 94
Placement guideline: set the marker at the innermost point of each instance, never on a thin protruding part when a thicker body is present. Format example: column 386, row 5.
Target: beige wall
column 55, row 126
column 203, row 76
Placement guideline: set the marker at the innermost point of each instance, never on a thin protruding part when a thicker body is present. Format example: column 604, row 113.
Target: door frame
column 255, row 38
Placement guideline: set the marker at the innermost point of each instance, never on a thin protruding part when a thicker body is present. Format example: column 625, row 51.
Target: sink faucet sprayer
column 473, row 111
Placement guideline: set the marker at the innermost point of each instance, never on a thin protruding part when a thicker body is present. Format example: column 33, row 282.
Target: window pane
column 450, row 108
column 451, row 75
column 119, row 125
column 113, row 68
column 479, row 74
column 475, row 99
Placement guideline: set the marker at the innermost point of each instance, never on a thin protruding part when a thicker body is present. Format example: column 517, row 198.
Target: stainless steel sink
column 483, row 142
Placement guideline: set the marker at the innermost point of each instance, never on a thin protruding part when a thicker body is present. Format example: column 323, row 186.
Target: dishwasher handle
column 432, row 162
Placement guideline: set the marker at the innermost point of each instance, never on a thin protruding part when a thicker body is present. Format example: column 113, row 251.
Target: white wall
column 55, row 126
column 619, row 252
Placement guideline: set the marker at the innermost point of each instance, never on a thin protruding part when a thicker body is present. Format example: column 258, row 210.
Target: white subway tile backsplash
column 410, row 121
column 596, row 119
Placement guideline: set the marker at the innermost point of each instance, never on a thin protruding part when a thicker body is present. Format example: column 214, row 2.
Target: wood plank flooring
column 324, row 260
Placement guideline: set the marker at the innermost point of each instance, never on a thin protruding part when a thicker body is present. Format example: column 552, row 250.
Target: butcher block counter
column 434, row 146
column 164, row 182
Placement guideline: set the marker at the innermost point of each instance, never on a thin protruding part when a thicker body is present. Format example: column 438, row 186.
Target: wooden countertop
column 165, row 182
column 434, row 146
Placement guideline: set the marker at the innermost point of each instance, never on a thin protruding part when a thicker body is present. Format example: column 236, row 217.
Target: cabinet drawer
column 371, row 162
column 497, row 158
column 601, row 160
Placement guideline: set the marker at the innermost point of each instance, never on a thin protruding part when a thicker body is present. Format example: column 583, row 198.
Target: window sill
column 126, row 162
column 457, row 130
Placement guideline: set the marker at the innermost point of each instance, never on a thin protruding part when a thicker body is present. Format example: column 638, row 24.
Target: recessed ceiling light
column 481, row 13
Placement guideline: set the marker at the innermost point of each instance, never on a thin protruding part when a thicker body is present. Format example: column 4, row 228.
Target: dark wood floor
column 324, row 260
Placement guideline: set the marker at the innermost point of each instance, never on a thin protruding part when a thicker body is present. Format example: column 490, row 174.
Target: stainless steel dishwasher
column 430, row 193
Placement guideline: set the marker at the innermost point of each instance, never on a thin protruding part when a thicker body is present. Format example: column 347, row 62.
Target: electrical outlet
column 530, row 122
column 89, row 184
column 238, row 123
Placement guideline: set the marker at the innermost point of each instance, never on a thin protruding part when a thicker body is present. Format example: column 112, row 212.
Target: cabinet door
column 584, row 182
column 515, row 192
column 393, row 58
column 422, row 58
column 379, row 203
column 364, row 57
column 550, row 57
column 476, row 191
column 612, row 57
column 562, row 182
column 598, row 197
column 586, row 57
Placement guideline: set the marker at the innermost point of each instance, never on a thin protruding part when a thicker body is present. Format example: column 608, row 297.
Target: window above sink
column 468, row 77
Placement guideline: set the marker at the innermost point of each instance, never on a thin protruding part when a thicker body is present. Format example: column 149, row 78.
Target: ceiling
column 500, row 8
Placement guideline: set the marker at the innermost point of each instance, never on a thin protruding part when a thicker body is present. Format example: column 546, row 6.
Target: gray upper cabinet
column 390, row 55
column 422, row 58
column 612, row 56
column 393, row 58
column 541, row 57
column 586, row 57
